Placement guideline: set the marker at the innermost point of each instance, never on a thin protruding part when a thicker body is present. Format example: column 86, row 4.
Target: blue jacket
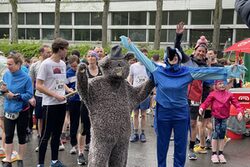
column 17, row 82
column 71, row 77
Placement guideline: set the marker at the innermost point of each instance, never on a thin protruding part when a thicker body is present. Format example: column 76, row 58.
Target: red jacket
column 220, row 102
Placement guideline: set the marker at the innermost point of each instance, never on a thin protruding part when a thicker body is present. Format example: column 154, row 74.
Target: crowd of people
column 185, row 87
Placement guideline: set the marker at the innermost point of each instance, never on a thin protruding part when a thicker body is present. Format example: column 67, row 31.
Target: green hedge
column 30, row 49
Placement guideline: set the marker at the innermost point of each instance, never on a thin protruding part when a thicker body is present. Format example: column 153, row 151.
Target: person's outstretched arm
column 243, row 9
column 150, row 66
column 217, row 73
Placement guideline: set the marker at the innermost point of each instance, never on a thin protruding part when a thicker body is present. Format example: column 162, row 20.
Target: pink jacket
column 220, row 102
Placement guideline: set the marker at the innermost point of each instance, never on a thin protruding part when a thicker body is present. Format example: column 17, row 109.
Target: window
column 65, row 19
column 4, row 33
column 21, row 19
column 242, row 34
column 120, row 18
column 137, row 35
column 82, row 35
column 66, row 34
column 29, row 33
column 82, row 19
column 195, row 35
column 176, row 16
column 200, row 17
column 4, row 18
column 21, row 33
column 163, row 35
column 96, row 18
column 152, row 16
column 48, row 34
column 137, row 18
column 32, row 18
column 48, row 18
column 33, row 33
column 96, row 35
column 225, row 34
column 227, row 16
column 117, row 33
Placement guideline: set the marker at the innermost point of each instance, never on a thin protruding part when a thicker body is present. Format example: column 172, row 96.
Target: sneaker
column 14, row 157
column 57, row 164
column 81, row 160
column 2, row 153
column 143, row 138
column 198, row 149
column 208, row 144
column 214, row 159
column 134, row 138
column 20, row 163
column 192, row 155
column 61, row 147
column 86, row 147
column 7, row 164
column 40, row 165
column 222, row 159
column 73, row 150
column 37, row 149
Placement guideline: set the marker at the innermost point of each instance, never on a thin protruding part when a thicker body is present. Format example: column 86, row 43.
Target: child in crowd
column 220, row 100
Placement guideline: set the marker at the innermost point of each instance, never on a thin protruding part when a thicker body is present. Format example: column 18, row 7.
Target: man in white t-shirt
column 138, row 75
column 50, row 81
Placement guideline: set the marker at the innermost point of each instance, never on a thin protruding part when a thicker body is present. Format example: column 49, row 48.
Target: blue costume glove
column 235, row 71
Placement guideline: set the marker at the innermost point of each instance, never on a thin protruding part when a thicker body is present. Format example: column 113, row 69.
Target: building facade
column 81, row 20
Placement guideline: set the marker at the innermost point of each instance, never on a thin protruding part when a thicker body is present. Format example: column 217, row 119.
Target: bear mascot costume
column 110, row 100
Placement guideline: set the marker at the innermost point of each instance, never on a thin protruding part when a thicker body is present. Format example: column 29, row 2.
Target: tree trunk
column 105, row 23
column 217, row 22
column 57, row 19
column 14, row 22
column 158, row 20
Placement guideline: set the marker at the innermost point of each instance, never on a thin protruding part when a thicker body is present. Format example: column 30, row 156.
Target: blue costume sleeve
column 150, row 66
column 217, row 73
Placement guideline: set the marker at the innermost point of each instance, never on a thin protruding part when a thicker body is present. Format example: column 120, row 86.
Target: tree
column 105, row 23
column 57, row 19
column 158, row 21
column 14, row 22
column 217, row 22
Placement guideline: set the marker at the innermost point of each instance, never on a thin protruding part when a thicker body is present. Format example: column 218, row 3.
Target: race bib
column 11, row 116
column 195, row 103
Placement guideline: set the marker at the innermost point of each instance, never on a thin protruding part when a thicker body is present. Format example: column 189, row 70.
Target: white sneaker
column 73, row 150
column 37, row 149
column 61, row 147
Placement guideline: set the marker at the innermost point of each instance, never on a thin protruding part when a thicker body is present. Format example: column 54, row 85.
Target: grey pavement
column 237, row 153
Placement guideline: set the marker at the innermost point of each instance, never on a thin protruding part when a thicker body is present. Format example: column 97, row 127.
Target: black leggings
column 53, row 119
column 74, row 111
column 21, row 122
column 85, row 122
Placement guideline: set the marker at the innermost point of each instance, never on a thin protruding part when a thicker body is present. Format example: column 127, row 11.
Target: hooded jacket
column 220, row 102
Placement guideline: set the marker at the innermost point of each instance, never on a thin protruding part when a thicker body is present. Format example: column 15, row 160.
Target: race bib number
column 59, row 85
column 11, row 116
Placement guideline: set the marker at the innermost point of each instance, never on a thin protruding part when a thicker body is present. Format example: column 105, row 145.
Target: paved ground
column 144, row 154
